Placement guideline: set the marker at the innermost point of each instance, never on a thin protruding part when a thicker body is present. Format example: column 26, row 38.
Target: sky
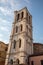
column 7, row 8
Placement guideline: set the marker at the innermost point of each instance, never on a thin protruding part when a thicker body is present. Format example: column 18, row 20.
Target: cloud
column 7, row 8
column 14, row 4
column 5, row 41
column 4, row 29
column 5, row 11
column 4, row 21
column 0, row 39
column 27, row 1
column 1, row 35
column 3, row 1
column 11, row 5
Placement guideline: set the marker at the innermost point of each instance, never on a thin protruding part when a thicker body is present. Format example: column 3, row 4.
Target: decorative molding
column 17, row 53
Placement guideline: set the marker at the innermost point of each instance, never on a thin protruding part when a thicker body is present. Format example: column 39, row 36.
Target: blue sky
column 7, row 8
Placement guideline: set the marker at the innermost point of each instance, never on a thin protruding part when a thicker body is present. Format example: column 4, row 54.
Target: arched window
column 19, row 43
column 27, row 28
column 21, row 27
column 11, row 61
column 14, row 44
column 18, row 16
column 22, row 14
column 17, row 61
column 29, row 19
column 16, row 29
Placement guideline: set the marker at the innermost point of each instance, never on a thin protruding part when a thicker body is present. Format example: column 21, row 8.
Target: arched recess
column 19, row 43
column 21, row 27
column 29, row 19
column 11, row 61
column 18, row 16
column 22, row 15
column 14, row 44
column 17, row 61
column 16, row 29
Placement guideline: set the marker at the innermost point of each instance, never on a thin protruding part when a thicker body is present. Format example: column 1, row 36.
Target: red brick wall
column 36, row 60
column 2, row 62
column 37, row 48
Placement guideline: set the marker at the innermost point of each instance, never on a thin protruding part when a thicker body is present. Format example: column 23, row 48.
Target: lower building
column 2, row 62
column 37, row 48
column 3, row 50
column 36, row 59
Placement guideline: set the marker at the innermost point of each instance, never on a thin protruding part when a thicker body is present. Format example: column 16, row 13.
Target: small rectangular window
column 14, row 44
column 16, row 29
column 19, row 43
column 21, row 27
column 18, row 16
column 41, row 62
column 0, row 53
column 32, row 63
column 22, row 14
column 29, row 20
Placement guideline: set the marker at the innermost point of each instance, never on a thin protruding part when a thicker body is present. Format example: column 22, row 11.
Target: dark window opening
column 19, row 43
column 41, row 62
column 27, row 17
column 16, row 29
column 18, row 16
column 27, row 27
column 22, row 14
column 6, row 49
column 11, row 61
column 17, row 61
column 0, row 53
column 14, row 44
column 32, row 63
column 21, row 27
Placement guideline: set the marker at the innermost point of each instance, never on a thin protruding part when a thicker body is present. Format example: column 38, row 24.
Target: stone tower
column 20, row 45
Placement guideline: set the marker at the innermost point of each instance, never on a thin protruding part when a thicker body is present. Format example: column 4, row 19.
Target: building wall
column 3, row 46
column 3, row 50
column 2, row 62
column 37, row 48
column 25, row 35
column 37, row 54
column 36, row 60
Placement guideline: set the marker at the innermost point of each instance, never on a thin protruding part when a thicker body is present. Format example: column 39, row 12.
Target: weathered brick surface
column 2, row 62
column 3, row 50
column 37, row 48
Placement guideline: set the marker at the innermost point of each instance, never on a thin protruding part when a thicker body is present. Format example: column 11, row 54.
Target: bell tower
column 21, row 44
